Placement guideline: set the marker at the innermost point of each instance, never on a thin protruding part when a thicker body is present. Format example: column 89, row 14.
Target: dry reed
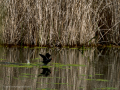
column 61, row 22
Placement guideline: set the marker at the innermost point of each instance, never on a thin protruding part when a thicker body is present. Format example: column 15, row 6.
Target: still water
column 70, row 69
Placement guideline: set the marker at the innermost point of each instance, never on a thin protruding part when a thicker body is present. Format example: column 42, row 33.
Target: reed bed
column 61, row 22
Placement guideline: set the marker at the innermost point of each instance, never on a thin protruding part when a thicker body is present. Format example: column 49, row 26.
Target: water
column 71, row 69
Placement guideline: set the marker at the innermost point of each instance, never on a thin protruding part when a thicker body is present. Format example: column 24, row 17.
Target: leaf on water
column 15, row 77
column 26, row 74
column 90, row 75
column 33, row 78
column 62, row 65
column 37, row 47
column 68, row 68
column 46, row 66
column 60, row 83
column 106, row 88
column 101, row 80
column 73, row 48
column 25, row 47
column 45, row 77
column 25, row 66
column 75, row 65
column 99, row 74
column 36, row 58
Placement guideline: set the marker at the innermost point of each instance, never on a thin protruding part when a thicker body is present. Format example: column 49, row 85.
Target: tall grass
column 60, row 22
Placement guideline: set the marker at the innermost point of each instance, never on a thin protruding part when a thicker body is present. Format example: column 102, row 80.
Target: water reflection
column 91, row 69
column 45, row 72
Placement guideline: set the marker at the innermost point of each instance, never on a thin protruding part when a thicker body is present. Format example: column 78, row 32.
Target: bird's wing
column 44, row 57
column 47, row 55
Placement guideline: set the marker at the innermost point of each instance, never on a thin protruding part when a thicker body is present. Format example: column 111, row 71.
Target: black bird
column 45, row 72
column 46, row 58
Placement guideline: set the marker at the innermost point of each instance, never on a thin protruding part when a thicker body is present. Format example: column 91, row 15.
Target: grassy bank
column 59, row 23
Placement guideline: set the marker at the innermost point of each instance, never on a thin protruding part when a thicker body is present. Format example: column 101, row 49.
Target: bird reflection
column 45, row 72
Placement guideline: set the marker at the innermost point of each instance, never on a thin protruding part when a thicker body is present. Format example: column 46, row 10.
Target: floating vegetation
column 2, row 59
column 62, row 66
column 46, row 66
column 98, row 80
column 81, row 87
column 59, row 75
column 15, row 77
column 35, row 58
column 99, row 74
column 26, row 74
column 60, row 83
column 84, row 49
column 73, row 48
column 106, row 88
column 33, row 78
column 28, row 66
column 45, row 77
column 25, row 46
column 90, row 75
column 76, row 65
column 46, row 89
column 101, row 80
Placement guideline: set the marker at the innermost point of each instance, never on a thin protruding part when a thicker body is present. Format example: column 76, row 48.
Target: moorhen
column 46, row 58
column 45, row 72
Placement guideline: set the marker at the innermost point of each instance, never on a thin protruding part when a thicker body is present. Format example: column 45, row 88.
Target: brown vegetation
column 59, row 22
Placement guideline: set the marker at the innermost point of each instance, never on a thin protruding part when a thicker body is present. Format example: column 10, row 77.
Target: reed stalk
column 61, row 22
